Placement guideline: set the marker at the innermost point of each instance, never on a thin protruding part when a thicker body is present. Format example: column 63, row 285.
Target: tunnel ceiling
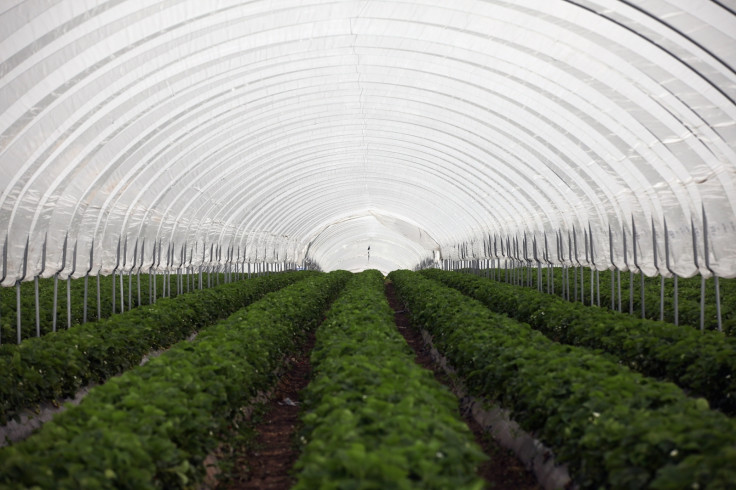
column 425, row 130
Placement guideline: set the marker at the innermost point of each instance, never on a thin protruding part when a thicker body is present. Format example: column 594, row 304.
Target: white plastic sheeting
column 293, row 129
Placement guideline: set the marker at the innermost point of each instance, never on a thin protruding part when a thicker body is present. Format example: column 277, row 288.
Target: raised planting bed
column 689, row 294
column 704, row 363
column 153, row 426
column 57, row 365
column 8, row 302
column 613, row 427
column 373, row 418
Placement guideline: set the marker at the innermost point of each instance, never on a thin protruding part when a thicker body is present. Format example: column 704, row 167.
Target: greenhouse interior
column 368, row 244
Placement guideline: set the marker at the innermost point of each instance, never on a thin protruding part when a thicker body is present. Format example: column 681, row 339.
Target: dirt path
column 268, row 461
column 503, row 470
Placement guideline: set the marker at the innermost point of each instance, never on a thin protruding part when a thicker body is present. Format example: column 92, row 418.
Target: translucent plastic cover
column 425, row 130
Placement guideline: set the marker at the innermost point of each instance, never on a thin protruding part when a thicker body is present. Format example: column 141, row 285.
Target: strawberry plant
column 373, row 418
column 702, row 363
column 58, row 364
column 614, row 427
column 153, row 426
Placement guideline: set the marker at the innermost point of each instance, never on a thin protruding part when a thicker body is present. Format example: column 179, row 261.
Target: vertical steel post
column 636, row 263
column 706, row 255
column 661, row 276
column 86, row 279
column 572, row 266
column 56, row 280
column 117, row 264
column 17, row 311
column 140, row 266
column 35, row 287
column 667, row 265
column 5, row 274
column 702, row 279
column 588, row 260
column 535, row 254
column 610, row 254
column 158, row 266
column 595, row 269
column 545, row 257
column 69, row 289
column 631, row 272
column 38, row 309
column 130, row 275
column 199, row 271
column 151, row 279
column 122, row 274
column 575, row 269
column 209, row 269
column 99, row 304
column 17, row 291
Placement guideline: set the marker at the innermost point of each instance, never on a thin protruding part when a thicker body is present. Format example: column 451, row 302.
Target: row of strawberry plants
column 702, row 363
column 374, row 418
column 153, row 426
column 614, row 427
column 60, row 363
column 689, row 292
column 8, row 303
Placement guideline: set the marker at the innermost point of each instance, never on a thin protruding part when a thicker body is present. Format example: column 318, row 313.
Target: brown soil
column 502, row 470
column 267, row 462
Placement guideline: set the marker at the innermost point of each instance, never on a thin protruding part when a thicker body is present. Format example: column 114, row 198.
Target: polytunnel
column 366, row 134
column 436, row 244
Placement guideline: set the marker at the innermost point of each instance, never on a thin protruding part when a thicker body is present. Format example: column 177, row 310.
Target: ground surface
column 503, row 470
column 266, row 461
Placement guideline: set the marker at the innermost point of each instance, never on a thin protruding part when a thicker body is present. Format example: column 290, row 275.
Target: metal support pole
column 56, row 301
column 718, row 303
column 38, row 307
column 17, row 311
column 69, row 289
column 86, row 280
column 546, row 258
column 122, row 280
column 56, row 280
column 5, row 273
column 610, row 254
column 35, row 287
column 715, row 277
column 117, row 264
column 702, row 302
column 631, row 273
column 69, row 302
column 636, row 263
column 155, row 276
column 661, row 277
column 99, row 304
column 122, row 292
column 667, row 265
column 702, row 279
column 574, row 268
column 677, row 306
column 114, row 292
column 138, row 272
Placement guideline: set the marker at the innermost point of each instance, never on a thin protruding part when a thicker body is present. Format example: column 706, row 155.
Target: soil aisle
column 268, row 460
column 503, row 471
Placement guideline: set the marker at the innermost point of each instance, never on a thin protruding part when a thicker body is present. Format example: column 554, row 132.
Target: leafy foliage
column 153, row 426
column 58, row 364
column 689, row 295
column 702, row 363
column 615, row 428
column 374, row 419
column 8, row 302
